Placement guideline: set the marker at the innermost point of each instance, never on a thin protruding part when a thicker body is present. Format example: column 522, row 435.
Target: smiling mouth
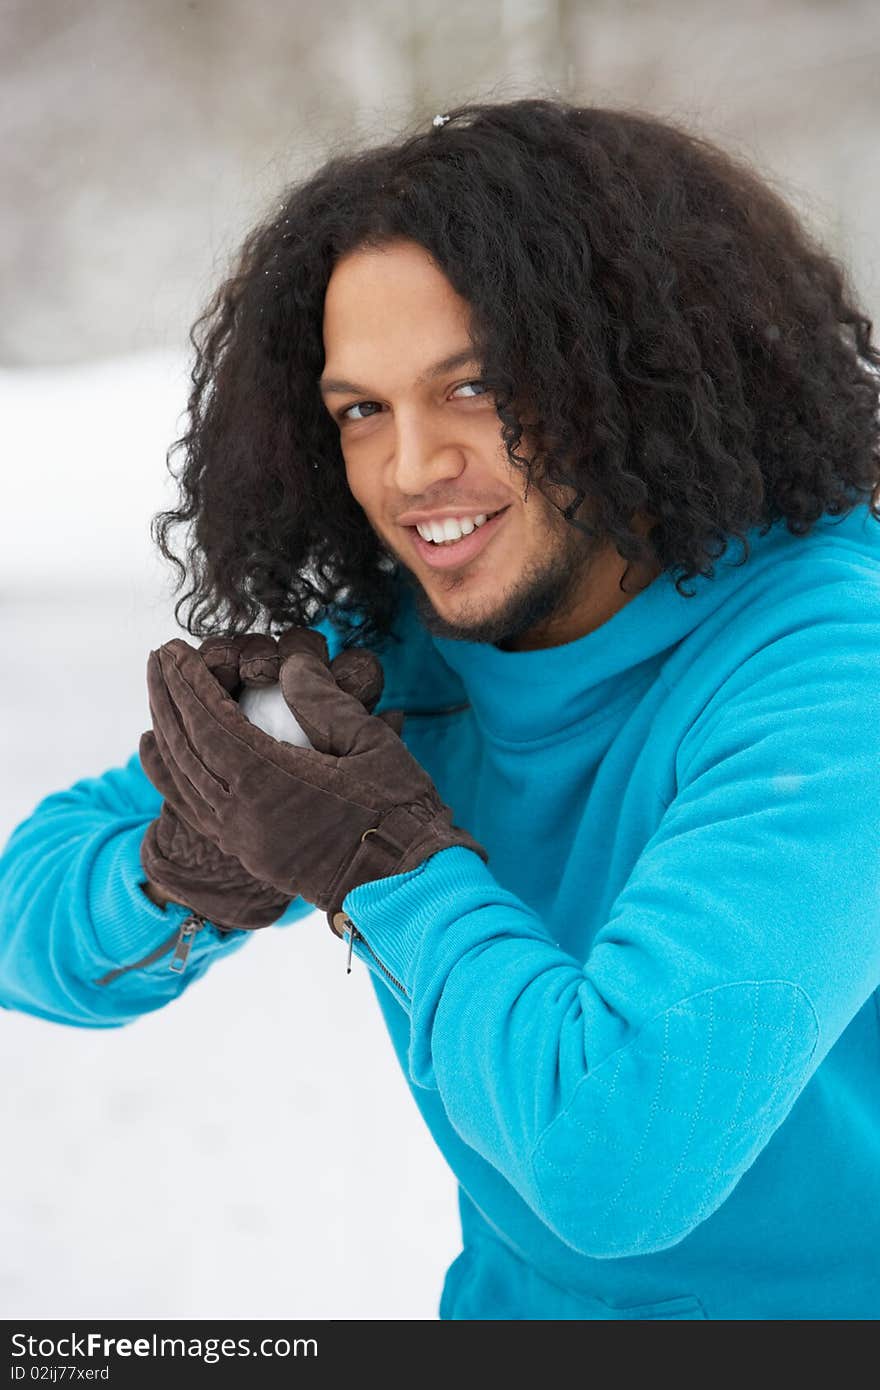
column 490, row 516
column 450, row 554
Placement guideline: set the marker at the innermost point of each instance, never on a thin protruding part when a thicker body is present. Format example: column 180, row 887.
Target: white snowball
column 266, row 707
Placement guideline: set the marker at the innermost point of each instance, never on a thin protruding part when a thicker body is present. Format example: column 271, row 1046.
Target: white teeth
column 450, row 529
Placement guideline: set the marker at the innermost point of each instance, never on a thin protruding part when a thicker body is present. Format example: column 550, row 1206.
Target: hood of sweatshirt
column 573, row 682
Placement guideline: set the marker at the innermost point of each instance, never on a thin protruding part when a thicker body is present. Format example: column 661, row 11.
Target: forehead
column 389, row 288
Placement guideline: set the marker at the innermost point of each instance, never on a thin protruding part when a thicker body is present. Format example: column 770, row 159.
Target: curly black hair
column 676, row 341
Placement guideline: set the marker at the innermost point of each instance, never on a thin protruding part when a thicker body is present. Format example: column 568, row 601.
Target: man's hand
column 310, row 821
column 187, row 867
column 183, row 866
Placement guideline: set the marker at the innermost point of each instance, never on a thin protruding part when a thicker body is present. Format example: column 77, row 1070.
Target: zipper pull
column 185, row 937
column 341, row 924
column 351, row 936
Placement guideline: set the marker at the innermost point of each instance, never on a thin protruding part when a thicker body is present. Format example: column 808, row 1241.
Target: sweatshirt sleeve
column 72, row 910
column 624, row 1096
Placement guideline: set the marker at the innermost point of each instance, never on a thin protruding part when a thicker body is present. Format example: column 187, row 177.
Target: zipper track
column 356, row 936
column 180, row 942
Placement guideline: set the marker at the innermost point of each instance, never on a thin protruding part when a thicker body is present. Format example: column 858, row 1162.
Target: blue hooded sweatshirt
column 645, row 1035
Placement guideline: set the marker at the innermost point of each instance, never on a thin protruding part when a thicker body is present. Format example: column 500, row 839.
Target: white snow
column 252, row 1150
column 266, row 707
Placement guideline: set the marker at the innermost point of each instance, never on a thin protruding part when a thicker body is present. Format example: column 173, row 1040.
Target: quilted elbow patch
column 657, row 1136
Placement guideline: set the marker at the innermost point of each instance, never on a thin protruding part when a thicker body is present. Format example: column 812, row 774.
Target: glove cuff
column 201, row 877
column 401, row 841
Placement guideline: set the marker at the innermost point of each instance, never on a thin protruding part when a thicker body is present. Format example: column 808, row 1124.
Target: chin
column 469, row 621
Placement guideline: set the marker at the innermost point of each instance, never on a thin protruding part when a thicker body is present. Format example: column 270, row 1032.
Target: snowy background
column 252, row 1150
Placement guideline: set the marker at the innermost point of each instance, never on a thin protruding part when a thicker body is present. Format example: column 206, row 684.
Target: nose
column 423, row 454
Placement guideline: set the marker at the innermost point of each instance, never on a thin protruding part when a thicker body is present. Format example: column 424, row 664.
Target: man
column 474, row 427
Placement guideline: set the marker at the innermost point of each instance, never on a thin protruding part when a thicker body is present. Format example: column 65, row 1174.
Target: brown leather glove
column 185, row 865
column 311, row 821
column 187, row 868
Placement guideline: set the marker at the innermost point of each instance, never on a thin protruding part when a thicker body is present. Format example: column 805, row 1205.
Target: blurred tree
column 138, row 142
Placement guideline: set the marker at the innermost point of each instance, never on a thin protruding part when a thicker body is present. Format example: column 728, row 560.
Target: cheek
column 365, row 487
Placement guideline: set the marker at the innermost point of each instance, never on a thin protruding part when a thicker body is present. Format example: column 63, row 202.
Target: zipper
column 354, row 935
column 181, row 942
column 186, row 935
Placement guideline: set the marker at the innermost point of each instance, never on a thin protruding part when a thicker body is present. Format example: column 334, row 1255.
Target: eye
column 370, row 406
column 481, row 385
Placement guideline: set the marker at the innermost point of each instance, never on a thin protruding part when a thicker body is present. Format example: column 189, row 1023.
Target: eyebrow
column 337, row 386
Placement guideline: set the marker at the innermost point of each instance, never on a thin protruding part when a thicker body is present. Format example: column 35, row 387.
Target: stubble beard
column 543, row 592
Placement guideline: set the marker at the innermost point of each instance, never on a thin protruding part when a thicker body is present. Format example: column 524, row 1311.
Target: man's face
column 421, row 441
